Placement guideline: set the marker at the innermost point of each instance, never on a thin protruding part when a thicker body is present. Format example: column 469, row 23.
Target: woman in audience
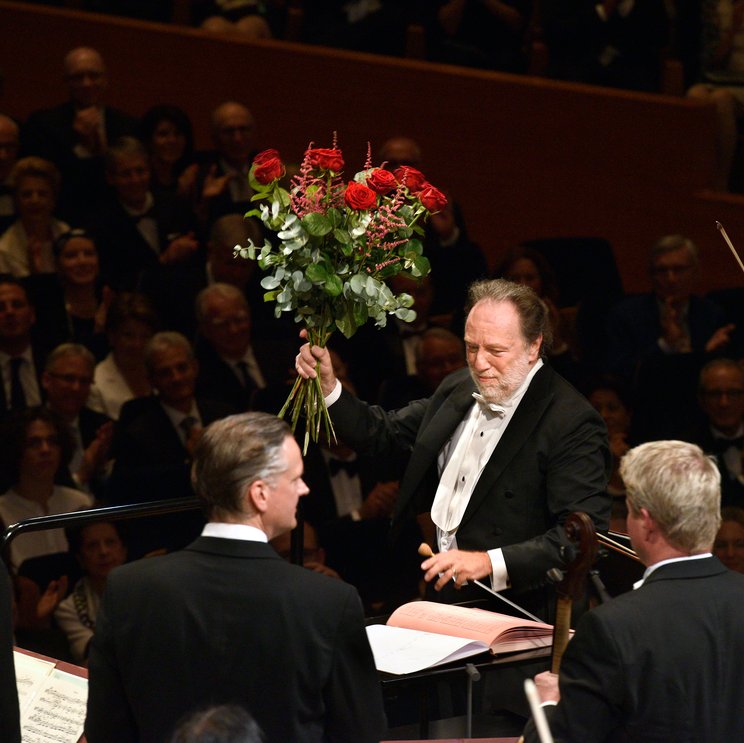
column 26, row 246
column 729, row 544
column 131, row 322
column 167, row 134
column 71, row 305
column 99, row 548
column 36, row 448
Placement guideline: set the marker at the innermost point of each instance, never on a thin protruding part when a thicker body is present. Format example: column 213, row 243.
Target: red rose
column 326, row 159
column 411, row 178
column 382, row 181
column 432, row 198
column 267, row 167
column 359, row 197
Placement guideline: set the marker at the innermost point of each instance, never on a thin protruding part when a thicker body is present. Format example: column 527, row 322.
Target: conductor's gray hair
column 232, row 454
column 680, row 487
column 534, row 319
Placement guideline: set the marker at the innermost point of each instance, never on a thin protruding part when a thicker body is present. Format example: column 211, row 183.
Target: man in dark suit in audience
column 21, row 356
column 156, row 437
column 721, row 399
column 662, row 662
column 66, row 380
column 229, row 368
column 141, row 236
column 227, row 621
column 74, row 135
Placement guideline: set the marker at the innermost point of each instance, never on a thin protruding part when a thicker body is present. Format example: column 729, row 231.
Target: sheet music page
column 57, row 714
column 30, row 676
column 399, row 650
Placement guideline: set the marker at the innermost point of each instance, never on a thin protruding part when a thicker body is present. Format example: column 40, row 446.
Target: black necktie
column 17, row 395
column 186, row 425
column 350, row 466
column 245, row 377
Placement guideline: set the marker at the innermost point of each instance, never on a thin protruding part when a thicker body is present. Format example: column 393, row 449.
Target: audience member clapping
column 26, row 246
column 99, row 548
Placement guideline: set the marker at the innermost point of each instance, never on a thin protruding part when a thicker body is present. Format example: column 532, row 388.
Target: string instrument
column 580, row 531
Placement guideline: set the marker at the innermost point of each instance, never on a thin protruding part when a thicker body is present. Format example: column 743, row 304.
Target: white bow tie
column 493, row 407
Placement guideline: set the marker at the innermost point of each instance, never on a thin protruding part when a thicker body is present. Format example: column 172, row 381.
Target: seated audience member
column 26, row 246
column 74, row 135
column 140, row 235
column 67, row 379
column 250, row 18
column 456, row 261
column 476, row 34
column 222, row 186
column 529, row 267
column 439, row 353
column 729, row 544
column 313, row 555
column 21, row 355
column 660, row 662
column 71, row 305
column 668, row 320
column 609, row 43
column 168, row 136
column 307, row 673
column 9, row 146
column 155, row 440
column 721, row 433
column 226, row 723
column 130, row 323
column 37, row 446
column 610, row 397
column 99, row 548
column 229, row 370
column 722, row 81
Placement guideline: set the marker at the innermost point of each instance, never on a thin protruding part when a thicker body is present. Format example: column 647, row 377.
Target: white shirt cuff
column 330, row 399
column 499, row 576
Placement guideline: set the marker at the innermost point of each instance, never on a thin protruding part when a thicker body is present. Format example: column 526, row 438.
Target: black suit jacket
column 662, row 663
column 226, row 621
column 10, row 725
column 552, row 459
column 218, row 381
column 128, row 263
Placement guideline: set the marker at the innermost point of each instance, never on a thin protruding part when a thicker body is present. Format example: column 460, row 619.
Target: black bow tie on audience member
column 350, row 466
column 721, row 445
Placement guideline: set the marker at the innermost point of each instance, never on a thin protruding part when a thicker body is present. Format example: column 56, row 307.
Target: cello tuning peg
column 555, row 575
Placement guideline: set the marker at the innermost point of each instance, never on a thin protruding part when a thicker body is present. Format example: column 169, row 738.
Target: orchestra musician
column 661, row 663
column 499, row 473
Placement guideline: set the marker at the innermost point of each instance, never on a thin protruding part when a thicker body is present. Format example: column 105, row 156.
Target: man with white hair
column 663, row 662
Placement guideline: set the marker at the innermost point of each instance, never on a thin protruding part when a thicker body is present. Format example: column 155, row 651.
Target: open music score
column 52, row 701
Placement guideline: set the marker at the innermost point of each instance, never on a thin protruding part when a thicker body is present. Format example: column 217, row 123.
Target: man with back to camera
column 499, row 474
column 227, row 621
column 661, row 663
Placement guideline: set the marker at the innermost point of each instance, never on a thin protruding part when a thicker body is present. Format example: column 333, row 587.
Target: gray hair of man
column 123, row 147
column 64, row 350
column 233, row 453
column 680, row 487
column 670, row 243
column 163, row 341
column 534, row 319
column 219, row 289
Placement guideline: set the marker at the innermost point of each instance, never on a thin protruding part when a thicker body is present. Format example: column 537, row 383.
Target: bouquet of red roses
column 337, row 242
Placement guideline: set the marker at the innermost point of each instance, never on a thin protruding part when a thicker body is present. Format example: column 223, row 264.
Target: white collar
column 243, row 532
